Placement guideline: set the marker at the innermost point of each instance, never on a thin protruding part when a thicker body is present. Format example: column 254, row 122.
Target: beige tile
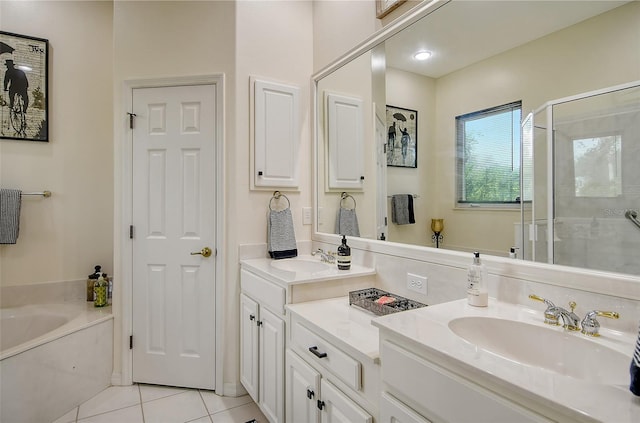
column 241, row 414
column 112, row 398
column 124, row 415
column 154, row 392
column 178, row 408
column 70, row 417
column 205, row 419
column 216, row 403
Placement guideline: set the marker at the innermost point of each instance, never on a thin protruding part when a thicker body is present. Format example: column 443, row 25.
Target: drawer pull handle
column 310, row 394
column 314, row 351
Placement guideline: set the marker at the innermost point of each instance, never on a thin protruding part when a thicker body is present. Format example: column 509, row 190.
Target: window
column 597, row 163
column 488, row 157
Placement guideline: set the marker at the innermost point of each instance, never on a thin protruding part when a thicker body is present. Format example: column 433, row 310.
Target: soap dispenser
column 477, row 294
column 344, row 255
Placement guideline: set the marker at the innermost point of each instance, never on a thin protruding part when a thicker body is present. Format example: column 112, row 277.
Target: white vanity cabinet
column 327, row 378
column 262, row 337
column 420, row 390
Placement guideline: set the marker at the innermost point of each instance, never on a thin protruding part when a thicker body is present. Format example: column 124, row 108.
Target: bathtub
column 52, row 358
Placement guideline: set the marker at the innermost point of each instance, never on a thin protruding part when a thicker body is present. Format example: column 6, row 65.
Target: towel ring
column 344, row 196
column 276, row 196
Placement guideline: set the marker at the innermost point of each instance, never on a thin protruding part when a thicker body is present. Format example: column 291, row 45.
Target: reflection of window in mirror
column 597, row 164
column 488, row 157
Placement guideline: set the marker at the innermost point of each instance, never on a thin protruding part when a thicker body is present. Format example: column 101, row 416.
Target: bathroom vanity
column 266, row 286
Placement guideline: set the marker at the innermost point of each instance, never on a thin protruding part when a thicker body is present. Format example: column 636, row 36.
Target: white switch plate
column 306, row 215
column 417, row 283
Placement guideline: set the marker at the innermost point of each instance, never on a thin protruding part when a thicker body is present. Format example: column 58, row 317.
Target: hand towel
column 634, row 369
column 402, row 209
column 281, row 238
column 10, row 200
column 347, row 222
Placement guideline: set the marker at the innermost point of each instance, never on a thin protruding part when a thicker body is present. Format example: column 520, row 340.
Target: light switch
column 306, row 215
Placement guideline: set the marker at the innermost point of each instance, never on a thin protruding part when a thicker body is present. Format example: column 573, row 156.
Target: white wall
column 415, row 92
column 64, row 236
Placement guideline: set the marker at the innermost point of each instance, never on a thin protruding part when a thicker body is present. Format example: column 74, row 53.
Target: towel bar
column 45, row 194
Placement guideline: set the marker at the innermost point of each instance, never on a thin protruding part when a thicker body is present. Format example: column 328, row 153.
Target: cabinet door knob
column 310, row 394
column 258, row 322
column 252, row 317
column 314, row 351
column 260, row 173
column 320, row 404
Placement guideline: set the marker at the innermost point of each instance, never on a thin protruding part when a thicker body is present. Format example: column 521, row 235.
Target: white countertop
column 427, row 329
column 263, row 267
column 350, row 326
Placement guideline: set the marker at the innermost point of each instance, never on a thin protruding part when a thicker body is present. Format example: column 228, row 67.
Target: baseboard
column 232, row 390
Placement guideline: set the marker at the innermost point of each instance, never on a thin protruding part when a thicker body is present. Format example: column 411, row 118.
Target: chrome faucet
column 325, row 257
column 591, row 326
column 553, row 313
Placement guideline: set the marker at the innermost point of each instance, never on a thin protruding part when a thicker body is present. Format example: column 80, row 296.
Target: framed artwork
column 24, row 70
column 384, row 7
column 402, row 137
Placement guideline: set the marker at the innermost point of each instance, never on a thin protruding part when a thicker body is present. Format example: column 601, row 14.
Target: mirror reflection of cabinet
column 345, row 117
column 276, row 127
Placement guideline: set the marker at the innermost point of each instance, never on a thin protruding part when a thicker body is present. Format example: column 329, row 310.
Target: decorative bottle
column 477, row 294
column 100, row 288
column 91, row 280
column 344, row 255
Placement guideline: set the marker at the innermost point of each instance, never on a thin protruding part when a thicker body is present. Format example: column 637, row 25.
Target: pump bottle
column 477, row 294
column 344, row 255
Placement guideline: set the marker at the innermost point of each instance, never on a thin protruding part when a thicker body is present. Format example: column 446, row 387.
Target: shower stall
column 581, row 181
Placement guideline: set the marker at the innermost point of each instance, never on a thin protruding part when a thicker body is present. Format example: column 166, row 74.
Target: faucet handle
column 550, row 315
column 591, row 326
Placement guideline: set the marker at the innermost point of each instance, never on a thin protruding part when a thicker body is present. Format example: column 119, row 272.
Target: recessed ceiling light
column 422, row 55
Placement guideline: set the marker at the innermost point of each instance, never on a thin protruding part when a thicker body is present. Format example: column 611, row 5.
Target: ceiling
column 463, row 32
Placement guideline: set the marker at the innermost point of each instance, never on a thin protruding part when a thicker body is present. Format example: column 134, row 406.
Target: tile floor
column 162, row 404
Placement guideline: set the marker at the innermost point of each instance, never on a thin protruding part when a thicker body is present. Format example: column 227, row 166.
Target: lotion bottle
column 344, row 255
column 477, row 294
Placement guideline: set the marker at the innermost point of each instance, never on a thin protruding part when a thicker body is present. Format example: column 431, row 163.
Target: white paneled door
column 174, row 221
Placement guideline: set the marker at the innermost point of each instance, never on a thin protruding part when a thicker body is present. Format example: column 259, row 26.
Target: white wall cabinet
column 313, row 399
column 345, row 125
column 276, row 130
column 262, row 344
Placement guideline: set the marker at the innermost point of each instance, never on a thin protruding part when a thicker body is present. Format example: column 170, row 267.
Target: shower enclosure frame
column 547, row 108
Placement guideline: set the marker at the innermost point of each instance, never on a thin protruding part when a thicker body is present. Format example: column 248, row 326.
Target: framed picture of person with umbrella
column 24, row 70
column 402, row 137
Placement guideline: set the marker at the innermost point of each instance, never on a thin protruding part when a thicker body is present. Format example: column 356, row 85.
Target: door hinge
column 130, row 342
column 320, row 404
column 130, row 231
column 131, row 116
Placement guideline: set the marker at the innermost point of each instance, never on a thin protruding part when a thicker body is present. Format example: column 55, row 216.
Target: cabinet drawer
column 437, row 393
column 342, row 365
column 268, row 294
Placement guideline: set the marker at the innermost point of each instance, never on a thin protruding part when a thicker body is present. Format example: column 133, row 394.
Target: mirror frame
column 618, row 284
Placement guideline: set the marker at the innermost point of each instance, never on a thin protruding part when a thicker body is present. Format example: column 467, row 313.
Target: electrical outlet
column 417, row 283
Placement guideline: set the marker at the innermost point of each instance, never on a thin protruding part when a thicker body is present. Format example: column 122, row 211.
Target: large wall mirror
column 414, row 125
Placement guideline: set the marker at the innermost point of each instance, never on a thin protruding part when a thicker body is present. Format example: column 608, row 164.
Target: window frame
column 460, row 160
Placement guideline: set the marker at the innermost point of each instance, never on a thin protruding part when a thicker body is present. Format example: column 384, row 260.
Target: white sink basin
column 569, row 354
column 299, row 265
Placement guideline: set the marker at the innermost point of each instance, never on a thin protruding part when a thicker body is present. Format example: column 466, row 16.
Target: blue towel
column 635, row 369
column 10, row 200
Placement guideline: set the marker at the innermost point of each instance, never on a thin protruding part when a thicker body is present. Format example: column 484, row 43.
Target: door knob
column 205, row 252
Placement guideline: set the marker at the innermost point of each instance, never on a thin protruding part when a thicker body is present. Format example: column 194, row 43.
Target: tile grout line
column 141, row 407
column 205, row 406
